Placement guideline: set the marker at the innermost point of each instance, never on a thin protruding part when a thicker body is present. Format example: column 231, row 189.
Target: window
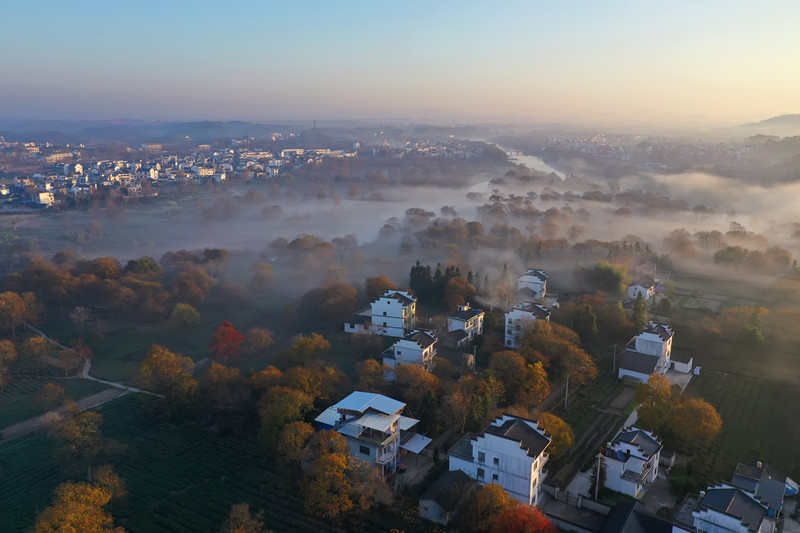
column 399, row 352
column 495, row 477
column 481, row 457
column 509, row 321
column 363, row 449
column 496, row 460
column 481, row 473
column 384, row 313
column 384, row 324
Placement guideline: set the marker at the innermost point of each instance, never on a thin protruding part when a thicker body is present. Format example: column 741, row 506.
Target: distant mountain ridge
column 785, row 125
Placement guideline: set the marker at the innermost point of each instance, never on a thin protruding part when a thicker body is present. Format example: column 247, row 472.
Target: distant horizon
column 686, row 64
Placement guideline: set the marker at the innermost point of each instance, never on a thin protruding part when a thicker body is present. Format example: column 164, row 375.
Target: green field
column 180, row 478
column 17, row 400
column 759, row 423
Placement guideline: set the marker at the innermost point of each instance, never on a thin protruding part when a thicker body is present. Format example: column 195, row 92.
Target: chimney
column 702, row 495
column 758, row 465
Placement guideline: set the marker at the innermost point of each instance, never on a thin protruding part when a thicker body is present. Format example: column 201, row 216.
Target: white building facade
column 631, row 461
column 416, row 348
column 520, row 318
column 535, row 280
column 510, row 452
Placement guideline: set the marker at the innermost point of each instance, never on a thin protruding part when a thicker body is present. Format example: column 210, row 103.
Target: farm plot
column 17, row 399
column 759, row 423
column 179, row 478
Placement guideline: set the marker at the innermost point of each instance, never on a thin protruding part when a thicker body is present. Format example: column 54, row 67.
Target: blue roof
column 361, row 401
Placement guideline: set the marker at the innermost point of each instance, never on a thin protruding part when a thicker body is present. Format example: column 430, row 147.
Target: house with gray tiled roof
column 729, row 509
column 647, row 353
column 466, row 323
column 510, row 452
column 631, row 461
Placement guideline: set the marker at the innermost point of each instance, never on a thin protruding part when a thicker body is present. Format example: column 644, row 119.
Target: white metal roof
column 328, row 417
column 361, row 401
column 407, row 423
column 377, row 421
column 416, row 443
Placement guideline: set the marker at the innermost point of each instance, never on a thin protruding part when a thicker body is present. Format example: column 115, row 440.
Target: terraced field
column 179, row 478
column 759, row 423
column 16, row 401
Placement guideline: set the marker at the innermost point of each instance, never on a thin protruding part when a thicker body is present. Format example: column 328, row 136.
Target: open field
column 17, row 404
column 179, row 478
column 759, row 423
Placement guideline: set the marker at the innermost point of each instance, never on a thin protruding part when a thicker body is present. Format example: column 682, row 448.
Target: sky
column 678, row 62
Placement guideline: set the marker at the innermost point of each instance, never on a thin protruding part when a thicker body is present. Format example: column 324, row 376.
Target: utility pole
column 614, row 361
column 597, row 480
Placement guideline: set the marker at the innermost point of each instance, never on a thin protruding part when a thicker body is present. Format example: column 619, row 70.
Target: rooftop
column 520, row 430
column 735, row 503
column 641, row 439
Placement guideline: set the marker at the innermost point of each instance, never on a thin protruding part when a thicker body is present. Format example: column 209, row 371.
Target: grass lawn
column 179, row 478
column 16, row 401
column 759, row 423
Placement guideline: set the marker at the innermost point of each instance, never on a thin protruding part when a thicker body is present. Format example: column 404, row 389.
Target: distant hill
column 783, row 125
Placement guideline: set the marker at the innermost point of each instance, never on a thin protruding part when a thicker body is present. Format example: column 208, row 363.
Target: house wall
column 473, row 326
column 682, row 367
column 390, row 317
column 387, row 454
column 646, row 292
column 641, row 377
column 533, row 283
column 358, row 329
column 652, row 344
column 711, row 521
column 432, row 511
column 520, row 321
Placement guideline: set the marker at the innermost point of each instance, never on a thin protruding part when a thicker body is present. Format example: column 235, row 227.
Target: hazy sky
column 681, row 61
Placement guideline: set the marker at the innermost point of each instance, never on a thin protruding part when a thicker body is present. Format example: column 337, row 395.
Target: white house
column 647, row 353
column 441, row 501
column 519, row 318
column 393, row 314
column 535, row 280
column 466, row 323
column 646, row 288
column 374, row 428
column 726, row 509
column 510, row 452
column 416, row 348
column 764, row 482
column 44, row 198
column 631, row 461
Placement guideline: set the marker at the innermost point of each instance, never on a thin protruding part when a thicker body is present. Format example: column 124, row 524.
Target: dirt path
column 39, row 423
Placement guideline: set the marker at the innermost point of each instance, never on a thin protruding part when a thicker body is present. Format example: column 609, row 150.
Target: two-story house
column 416, row 348
column 374, row 428
column 535, row 280
column 631, row 461
column 519, row 318
column 764, row 482
column 726, row 509
column 647, row 353
column 465, row 324
column 510, row 452
column 646, row 288
column 393, row 314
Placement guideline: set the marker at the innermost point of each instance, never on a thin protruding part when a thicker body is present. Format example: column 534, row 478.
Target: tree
column 371, row 375
column 639, row 315
column 653, row 402
column 168, row 374
column 326, row 487
column 81, row 443
column 81, row 316
column 523, row 519
column 488, row 503
column 241, row 520
column 8, row 354
column 305, row 348
column 695, row 421
column 525, row 383
column 257, row 340
column 279, row 406
column 561, row 434
column 377, row 287
column 458, row 291
column 32, row 351
column 604, row 276
column 184, row 315
column 145, row 266
column 293, row 440
column 225, row 342
column 586, row 324
column 12, row 312
column 263, row 275
column 221, row 387
column 411, row 382
column 77, row 507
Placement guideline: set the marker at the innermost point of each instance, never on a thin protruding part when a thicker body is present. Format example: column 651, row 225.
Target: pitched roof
column 735, row 503
column 641, row 439
column 633, row 517
column 449, row 489
column 517, row 429
column 535, row 309
column 423, row 338
column 400, row 296
column 765, row 482
column 536, row 273
column 638, row 362
column 361, row 401
column 661, row 330
column 466, row 314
